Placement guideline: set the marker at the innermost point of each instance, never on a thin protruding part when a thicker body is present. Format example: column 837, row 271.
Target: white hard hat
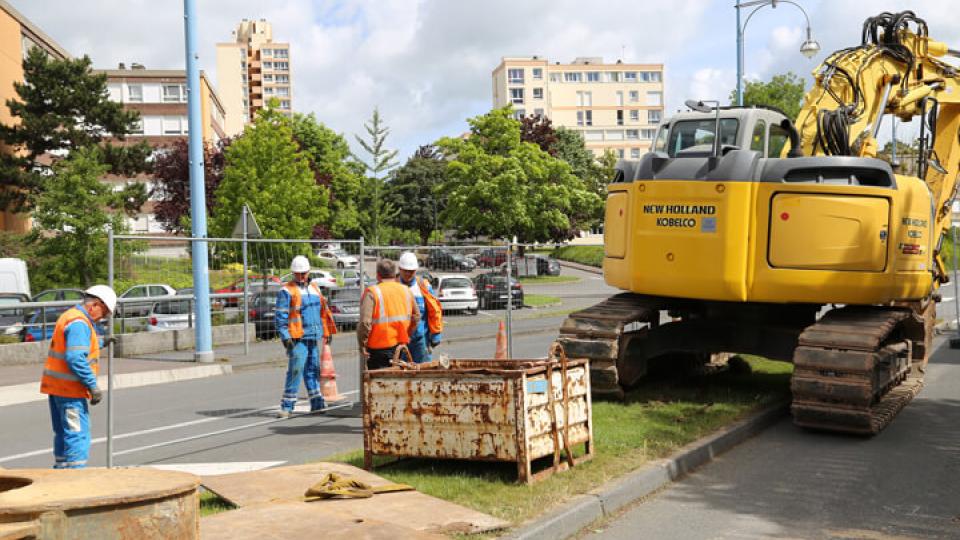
column 408, row 261
column 300, row 264
column 104, row 294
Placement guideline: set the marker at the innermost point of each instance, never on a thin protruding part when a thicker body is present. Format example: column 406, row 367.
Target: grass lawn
column 210, row 504
column 537, row 300
column 589, row 255
column 536, row 280
column 661, row 415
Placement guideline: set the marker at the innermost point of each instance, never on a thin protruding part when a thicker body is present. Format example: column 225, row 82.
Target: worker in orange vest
column 388, row 317
column 70, row 375
column 305, row 323
column 429, row 331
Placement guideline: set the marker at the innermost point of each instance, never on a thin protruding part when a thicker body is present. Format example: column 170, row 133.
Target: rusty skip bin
column 491, row 410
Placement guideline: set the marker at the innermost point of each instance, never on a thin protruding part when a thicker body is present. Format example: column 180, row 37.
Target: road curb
column 29, row 392
column 582, row 267
column 567, row 520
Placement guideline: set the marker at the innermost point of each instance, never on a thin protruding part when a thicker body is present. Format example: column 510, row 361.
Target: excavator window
column 759, row 137
column 695, row 136
column 778, row 139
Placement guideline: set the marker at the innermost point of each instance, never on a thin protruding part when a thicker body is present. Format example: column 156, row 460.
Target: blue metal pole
column 198, row 209
column 739, row 57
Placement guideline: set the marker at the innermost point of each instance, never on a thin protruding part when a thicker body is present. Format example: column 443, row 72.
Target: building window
column 633, row 134
column 584, row 99
column 268, row 90
column 613, row 76
column 516, row 95
column 655, row 98
column 538, row 74
column 285, row 104
column 171, row 125
column 584, row 118
column 515, row 75
column 614, row 135
column 268, row 77
column 281, row 66
column 135, row 93
column 589, row 117
column 268, row 65
column 620, row 98
column 281, row 53
column 650, row 76
column 593, row 135
column 634, row 96
column 634, row 153
column 266, row 52
column 538, row 93
column 554, row 77
column 173, row 93
column 620, row 153
column 579, row 118
column 538, row 112
column 519, row 114
column 620, row 117
column 630, row 76
column 653, row 117
column 137, row 128
column 283, row 78
column 634, row 116
column 572, row 76
column 648, row 134
column 593, row 76
column 283, row 90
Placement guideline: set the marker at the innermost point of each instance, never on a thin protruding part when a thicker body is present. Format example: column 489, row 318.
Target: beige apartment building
column 160, row 96
column 251, row 70
column 615, row 107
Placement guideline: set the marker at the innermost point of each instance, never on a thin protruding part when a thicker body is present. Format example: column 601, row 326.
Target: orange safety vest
column 393, row 304
column 295, row 320
column 434, row 311
column 58, row 379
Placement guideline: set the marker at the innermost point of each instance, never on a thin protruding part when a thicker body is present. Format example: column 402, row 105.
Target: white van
column 13, row 276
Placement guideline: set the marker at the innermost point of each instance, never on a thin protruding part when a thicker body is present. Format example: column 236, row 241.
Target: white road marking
column 210, row 469
column 484, row 313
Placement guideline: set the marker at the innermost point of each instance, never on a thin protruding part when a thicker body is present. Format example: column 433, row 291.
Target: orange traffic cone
column 328, row 377
column 501, row 353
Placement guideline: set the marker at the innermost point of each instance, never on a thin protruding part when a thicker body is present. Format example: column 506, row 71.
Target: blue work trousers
column 71, row 432
column 418, row 349
column 303, row 361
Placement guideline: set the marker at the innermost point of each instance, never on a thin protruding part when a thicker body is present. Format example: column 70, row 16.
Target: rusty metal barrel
column 110, row 504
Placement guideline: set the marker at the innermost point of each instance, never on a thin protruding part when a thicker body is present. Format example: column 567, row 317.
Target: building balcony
column 255, row 64
column 256, row 77
column 256, row 102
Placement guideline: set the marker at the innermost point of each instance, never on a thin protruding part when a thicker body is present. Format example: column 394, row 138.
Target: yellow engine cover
column 769, row 241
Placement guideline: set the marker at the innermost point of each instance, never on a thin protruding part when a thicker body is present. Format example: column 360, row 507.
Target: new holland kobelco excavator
column 739, row 233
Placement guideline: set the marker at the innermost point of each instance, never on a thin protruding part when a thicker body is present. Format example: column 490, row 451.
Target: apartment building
column 251, row 70
column 17, row 36
column 616, row 107
column 160, row 96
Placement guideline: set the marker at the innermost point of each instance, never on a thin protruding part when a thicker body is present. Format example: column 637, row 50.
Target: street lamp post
column 808, row 48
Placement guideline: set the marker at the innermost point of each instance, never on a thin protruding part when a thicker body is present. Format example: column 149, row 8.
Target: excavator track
column 601, row 332
column 854, row 370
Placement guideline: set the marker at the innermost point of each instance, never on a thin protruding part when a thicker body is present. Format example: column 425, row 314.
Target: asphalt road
column 792, row 483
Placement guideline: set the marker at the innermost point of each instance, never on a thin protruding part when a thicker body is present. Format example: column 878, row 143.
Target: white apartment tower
column 251, row 70
column 615, row 106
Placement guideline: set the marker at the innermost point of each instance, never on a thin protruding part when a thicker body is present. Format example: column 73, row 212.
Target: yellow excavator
column 744, row 232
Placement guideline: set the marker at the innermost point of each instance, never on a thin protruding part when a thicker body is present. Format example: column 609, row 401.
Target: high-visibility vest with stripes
column 434, row 316
column 295, row 319
column 58, row 379
column 393, row 304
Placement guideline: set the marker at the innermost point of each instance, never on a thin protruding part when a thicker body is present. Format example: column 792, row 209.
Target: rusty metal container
column 109, row 504
column 492, row 410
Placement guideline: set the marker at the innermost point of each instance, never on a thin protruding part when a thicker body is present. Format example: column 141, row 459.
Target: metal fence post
column 246, row 304
column 510, row 299
column 110, row 253
column 362, row 363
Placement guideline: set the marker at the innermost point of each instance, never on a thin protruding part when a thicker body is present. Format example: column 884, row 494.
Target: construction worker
column 70, row 375
column 388, row 317
column 305, row 323
column 429, row 331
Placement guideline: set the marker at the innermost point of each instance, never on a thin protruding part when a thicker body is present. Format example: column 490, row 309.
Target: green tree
column 266, row 170
column 413, row 190
column 784, row 92
column 171, row 176
column 61, row 106
column 498, row 185
column 376, row 211
column 571, row 147
column 333, row 168
column 74, row 214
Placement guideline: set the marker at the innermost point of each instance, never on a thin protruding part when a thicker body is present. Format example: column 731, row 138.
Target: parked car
column 215, row 303
column 489, row 258
column 50, row 314
column 39, row 325
column 547, row 266
column 237, row 287
column 441, row 259
column 170, row 315
column 261, row 314
column 13, row 276
column 345, row 306
column 322, row 278
column 11, row 318
column 140, row 309
column 338, row 258
column 351, row 278
column 492, row 290
column 58, row 295
column 456, row 293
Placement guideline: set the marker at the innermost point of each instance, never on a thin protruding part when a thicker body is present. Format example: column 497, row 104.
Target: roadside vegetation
column 539, row 300
column 538, row 280
column 663, row 414
column 588, row 255
column 211, row 503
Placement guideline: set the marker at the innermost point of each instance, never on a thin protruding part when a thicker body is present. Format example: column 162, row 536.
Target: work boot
column 317, row 404
column 283, row 414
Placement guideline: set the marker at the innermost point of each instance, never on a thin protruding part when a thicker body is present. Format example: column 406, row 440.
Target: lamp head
column 809, row 48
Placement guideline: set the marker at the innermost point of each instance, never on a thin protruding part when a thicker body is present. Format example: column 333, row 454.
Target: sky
column 426, row 64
